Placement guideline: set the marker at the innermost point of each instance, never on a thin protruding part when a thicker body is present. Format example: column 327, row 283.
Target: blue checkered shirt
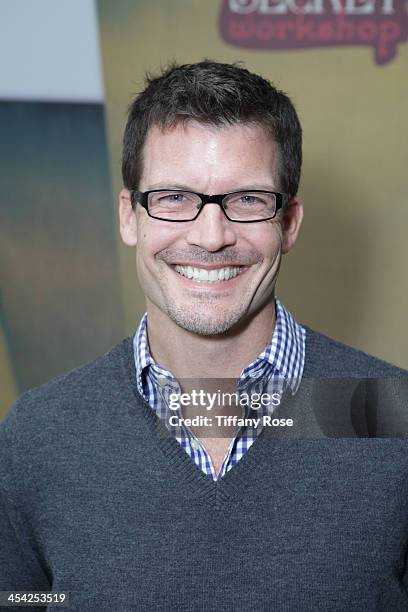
column 279, row 366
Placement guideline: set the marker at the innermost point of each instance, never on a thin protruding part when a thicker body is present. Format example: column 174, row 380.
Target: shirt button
column 194, row 444
column 162, row 381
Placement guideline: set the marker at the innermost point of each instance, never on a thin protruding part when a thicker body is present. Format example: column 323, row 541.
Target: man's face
column 208, row 160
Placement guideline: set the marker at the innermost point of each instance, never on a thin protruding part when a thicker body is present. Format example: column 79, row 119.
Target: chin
column 204, row 324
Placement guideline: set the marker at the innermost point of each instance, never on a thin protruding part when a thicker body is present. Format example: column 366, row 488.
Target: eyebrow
column 170, row 186
column 192, row 189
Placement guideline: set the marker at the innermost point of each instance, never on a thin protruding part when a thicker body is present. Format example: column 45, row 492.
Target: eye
column 250, row 199
column 172, row 197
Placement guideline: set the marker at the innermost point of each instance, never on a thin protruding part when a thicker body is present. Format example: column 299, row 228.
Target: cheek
column 150, row 241
column 268, row 240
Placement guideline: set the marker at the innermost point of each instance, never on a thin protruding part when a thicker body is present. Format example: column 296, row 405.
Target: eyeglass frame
column 143, row 198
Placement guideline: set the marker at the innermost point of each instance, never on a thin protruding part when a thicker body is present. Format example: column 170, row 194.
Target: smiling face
column 211, row 274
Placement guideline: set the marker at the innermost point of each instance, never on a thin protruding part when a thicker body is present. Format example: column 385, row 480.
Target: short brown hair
column 216, row 94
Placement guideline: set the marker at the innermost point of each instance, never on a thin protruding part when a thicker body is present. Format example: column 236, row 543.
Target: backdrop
column 344, row 63
column 68, row 286
column 60, row 301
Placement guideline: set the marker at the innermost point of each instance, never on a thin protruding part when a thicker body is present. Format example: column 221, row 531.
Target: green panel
column 60, row 285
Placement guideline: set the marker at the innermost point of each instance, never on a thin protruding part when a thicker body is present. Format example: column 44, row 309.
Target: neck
column 188, row 355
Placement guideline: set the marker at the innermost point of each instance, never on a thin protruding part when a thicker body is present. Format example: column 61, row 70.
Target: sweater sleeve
column 20, row 559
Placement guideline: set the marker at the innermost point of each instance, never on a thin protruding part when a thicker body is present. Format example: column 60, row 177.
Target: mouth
column 214, row 275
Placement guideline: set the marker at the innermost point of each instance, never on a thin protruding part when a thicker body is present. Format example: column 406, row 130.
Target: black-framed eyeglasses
column 182, row 206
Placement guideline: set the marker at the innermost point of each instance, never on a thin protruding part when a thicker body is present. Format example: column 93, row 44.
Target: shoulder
column 76, row 393
column 326, row 357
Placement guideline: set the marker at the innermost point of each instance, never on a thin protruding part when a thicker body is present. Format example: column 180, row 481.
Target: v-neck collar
column 182, row 467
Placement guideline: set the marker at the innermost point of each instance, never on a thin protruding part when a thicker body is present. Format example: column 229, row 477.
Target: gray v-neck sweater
column 99, row 501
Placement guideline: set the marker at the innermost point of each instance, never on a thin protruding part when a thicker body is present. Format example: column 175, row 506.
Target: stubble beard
column 200, row 314
column 202, row 323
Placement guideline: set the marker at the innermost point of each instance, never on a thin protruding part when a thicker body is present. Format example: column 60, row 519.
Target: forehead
column 200, row 156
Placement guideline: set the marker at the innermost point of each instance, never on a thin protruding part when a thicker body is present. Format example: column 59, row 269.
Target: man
column 110, row 495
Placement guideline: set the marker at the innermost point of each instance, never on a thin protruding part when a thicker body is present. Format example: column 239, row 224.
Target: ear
column 291, row 223
column 127, row 219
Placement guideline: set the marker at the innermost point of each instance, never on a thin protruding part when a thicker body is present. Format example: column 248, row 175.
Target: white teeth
column 211, row 276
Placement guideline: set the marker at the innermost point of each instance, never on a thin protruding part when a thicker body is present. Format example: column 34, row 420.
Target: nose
column 212, row 230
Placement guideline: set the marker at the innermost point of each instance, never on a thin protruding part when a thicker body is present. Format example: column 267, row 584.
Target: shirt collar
column 283, row 357
column 143, row 358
